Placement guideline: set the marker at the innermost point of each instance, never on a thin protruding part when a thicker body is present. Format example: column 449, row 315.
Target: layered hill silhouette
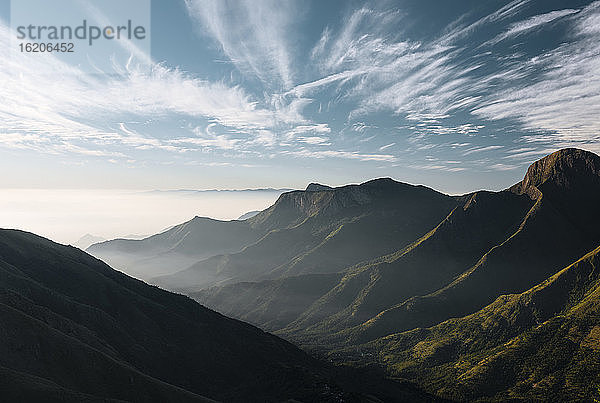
column 359, row 271
column 321, row 232
column 176, row 248
column 73, row 329
column 304, row 232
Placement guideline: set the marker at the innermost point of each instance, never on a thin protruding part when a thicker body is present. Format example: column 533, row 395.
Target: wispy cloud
column 562, row 93
column 85, row 113
column 321, row 128
column 386, row 146
column 353, row 155
column 556, row 91
column 314, row 140
column 252, row 33
column 531, row 24
column 362, row 69
column 482, row 149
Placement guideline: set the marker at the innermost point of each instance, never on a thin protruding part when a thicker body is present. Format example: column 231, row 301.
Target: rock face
column 566, row 169
column 317, row 187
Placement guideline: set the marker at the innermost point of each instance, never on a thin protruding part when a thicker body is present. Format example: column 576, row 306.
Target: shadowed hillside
column 490, row 244
column 561, row 225
column 323, row 231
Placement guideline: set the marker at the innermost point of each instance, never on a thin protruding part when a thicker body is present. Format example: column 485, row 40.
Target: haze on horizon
column 66, row 215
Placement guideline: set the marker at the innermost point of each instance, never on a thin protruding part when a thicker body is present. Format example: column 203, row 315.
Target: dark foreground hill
column 73, row 329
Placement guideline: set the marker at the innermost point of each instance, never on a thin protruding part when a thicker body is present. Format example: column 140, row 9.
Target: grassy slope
column 541, row 344
column 426, row 265
column 544, row 243
column 508, row 254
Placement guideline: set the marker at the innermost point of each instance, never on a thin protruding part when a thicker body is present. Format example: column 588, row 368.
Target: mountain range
column 426, row 286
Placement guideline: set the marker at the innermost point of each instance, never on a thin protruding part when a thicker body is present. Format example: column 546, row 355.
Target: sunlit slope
column 541, row 344
column 490, row 243
column 561, row 225
column 426, row 265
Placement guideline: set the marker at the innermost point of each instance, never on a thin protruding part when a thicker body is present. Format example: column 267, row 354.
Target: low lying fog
column 66, row 215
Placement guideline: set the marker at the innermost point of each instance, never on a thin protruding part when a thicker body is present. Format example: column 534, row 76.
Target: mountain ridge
column 423, row 285
column 354, row 222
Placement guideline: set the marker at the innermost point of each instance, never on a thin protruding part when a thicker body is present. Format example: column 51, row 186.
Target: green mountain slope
column 543, row 344
column 374, row 274
column 75, row 328
column 561, row 225
column 426, row 265
column 491, row 244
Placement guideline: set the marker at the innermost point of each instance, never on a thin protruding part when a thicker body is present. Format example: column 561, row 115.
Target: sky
column 459, row 95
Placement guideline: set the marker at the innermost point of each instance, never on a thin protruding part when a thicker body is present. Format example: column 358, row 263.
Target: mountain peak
column 381, row 182
column 561, row 168
column 317, row 187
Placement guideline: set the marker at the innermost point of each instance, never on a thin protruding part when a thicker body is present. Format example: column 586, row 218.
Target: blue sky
column 458, row 96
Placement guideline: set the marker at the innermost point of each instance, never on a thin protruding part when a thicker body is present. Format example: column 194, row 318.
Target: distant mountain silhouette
column 247, row 215
column 317, row 187
column 87, row 240
column 176, row 248
column 73, row 329
column 488, row 243
column 318, row 232
column 200, row 191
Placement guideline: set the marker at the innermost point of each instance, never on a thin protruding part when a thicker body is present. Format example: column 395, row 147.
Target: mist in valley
column 65, row 216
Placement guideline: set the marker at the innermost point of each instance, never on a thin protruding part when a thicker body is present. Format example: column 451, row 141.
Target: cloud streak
column 531, row 24
column 363, row 68
column 564, row 99
column 252, row 34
